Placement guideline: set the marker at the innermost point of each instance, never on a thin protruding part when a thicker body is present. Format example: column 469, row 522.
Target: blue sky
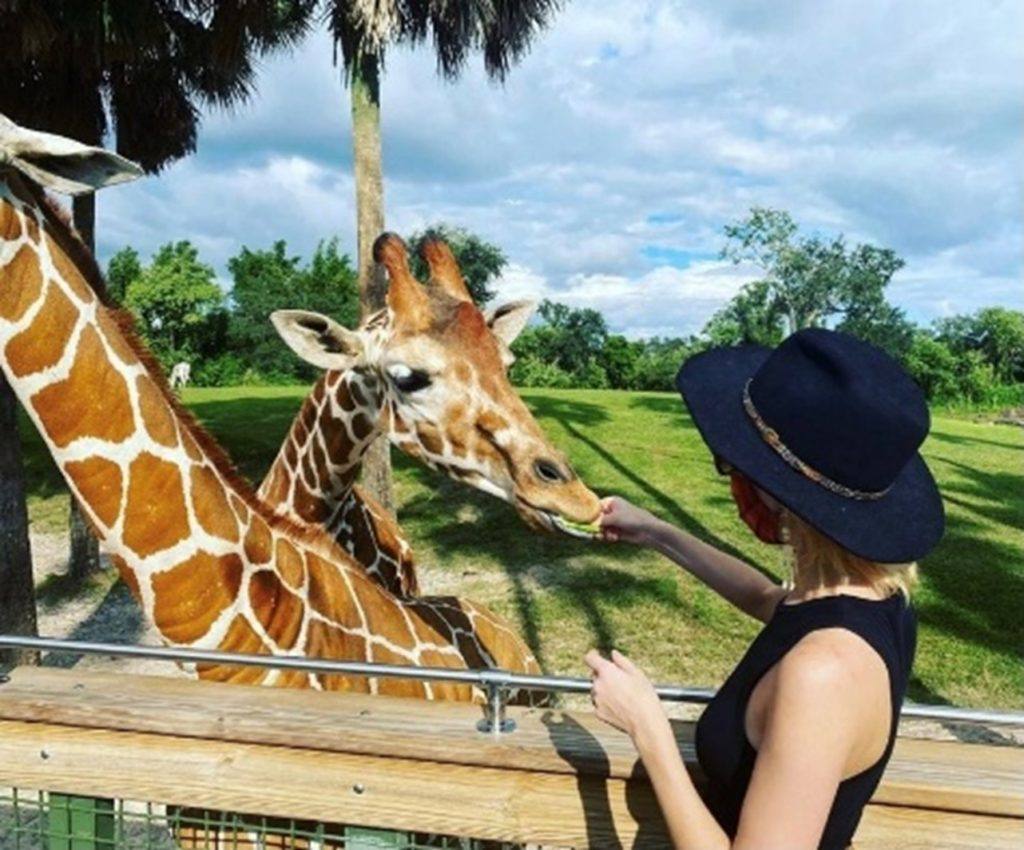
column 608, row 164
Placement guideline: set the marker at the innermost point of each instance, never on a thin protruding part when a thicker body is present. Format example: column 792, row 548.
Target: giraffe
column 211, row 566
column 430, row 372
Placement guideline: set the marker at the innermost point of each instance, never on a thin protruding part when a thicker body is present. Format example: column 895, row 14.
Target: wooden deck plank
column 508, row 805
column 902, row 828
column 949, row 776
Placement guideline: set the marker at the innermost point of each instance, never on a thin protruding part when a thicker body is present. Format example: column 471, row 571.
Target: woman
column 820, row 440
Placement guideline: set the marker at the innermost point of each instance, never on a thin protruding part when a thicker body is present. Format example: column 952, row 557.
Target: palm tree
column 362, row 30
column 139, row 69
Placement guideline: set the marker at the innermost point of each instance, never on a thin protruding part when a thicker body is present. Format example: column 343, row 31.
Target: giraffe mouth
column 582, row 530
column 551, row 521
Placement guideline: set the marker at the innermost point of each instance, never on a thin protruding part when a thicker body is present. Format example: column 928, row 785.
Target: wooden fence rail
column 562, row 779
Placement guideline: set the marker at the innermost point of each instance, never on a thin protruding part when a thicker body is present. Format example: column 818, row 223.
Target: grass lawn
column 567, row 596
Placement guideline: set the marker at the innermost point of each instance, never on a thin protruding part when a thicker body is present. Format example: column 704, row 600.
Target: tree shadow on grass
column 959, row 440
column 570, row 570
column 979, row 594
column 669, row 405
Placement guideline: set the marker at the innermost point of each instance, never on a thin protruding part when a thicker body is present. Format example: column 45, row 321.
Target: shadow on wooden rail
column 562, row 779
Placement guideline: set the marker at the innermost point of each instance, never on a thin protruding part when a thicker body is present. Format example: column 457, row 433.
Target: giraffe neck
column 211, row 567
column 313, row 474
column 312, row 480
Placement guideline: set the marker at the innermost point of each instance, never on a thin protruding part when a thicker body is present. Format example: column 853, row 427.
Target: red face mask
column 761, row 519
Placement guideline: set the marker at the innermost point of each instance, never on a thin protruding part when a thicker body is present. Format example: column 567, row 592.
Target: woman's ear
column 318, row 339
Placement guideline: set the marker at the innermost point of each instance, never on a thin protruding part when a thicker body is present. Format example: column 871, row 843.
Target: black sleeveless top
column 725, row 754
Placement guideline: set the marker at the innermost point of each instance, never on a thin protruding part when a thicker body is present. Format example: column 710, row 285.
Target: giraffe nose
column 550, row 472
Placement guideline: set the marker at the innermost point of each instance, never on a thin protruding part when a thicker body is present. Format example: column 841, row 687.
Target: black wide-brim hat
column 830, row 426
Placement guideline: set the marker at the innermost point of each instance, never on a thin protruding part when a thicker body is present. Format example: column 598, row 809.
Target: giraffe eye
column 408, row 380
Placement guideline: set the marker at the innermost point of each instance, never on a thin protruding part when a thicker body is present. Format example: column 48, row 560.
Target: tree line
column 805, row 281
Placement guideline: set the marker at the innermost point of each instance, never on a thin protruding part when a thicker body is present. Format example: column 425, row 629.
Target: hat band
column 771, row 437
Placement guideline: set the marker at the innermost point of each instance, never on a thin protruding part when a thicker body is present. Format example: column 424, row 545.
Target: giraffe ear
column 62, row 164
column 508, row 320
column 318, row 339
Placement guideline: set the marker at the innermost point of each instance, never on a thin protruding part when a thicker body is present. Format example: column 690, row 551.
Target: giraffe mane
column 63, row 232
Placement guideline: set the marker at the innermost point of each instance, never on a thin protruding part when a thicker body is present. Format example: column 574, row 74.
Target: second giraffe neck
column 314, row 472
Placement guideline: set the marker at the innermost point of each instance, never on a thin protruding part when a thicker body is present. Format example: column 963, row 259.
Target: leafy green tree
column 480, row 261
column 568, row 339
column 176, row 299
column 751, row 317
column 138, row 70
column 880, row 324
column 808, row 281
column 657, row 366
column 618, row 359
column 123, row 268
column 997, row 333
column 269, row 280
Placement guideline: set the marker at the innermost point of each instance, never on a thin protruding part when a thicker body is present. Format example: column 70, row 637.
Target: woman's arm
column 624, row 697
column 809, row 732
column 733, row 579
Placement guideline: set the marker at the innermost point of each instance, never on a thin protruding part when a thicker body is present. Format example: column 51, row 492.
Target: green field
column 567, row 596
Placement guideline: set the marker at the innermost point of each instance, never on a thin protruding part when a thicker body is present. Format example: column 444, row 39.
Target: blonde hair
column 819, row 561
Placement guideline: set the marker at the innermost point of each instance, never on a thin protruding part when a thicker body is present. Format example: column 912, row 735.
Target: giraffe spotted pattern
column 210, row 565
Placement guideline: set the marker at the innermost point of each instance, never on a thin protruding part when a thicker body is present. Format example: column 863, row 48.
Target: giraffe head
column 433, row 369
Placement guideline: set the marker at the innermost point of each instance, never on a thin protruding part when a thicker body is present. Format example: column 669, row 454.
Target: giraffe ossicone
column 430, row 372
column 211, row 566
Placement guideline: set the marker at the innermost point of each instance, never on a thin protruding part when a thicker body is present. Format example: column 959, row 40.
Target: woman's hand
column 622, row 520
column 623, row 696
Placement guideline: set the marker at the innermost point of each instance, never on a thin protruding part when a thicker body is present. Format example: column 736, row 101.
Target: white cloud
column 636, row 125
column 665, row 301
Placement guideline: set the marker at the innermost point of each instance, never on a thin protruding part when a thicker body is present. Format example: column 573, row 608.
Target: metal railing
column 497, row 684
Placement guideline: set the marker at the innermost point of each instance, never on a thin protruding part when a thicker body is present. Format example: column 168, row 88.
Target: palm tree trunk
column 84, row 557
column 365, row 91
column 17, row 590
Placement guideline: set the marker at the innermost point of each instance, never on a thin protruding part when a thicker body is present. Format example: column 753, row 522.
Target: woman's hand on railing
column 622, row 694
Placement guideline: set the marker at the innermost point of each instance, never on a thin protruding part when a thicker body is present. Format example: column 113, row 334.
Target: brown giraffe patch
column 191, row 447
column 98, row 481
column 42, row 344
column 329, row 595
column 211, row 505
column 325, row 641
column 155, row 518
column 69, row 272
column 279, row 610
column 240, row 637
column 115, row 337
column 127, row 576
column 430, row 437
column 289, row 564
column 258, row 542
column 23, row 284
column 156, row 413
column 10, row 223
column 293, row 679
column 192, row 595
column 311, row 508
column 91, row 402
column 361, row 426
column 241, row 511
column 396, row 687
column 381, row 616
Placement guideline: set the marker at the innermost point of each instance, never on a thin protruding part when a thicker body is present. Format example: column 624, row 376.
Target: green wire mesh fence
column 41, row 820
